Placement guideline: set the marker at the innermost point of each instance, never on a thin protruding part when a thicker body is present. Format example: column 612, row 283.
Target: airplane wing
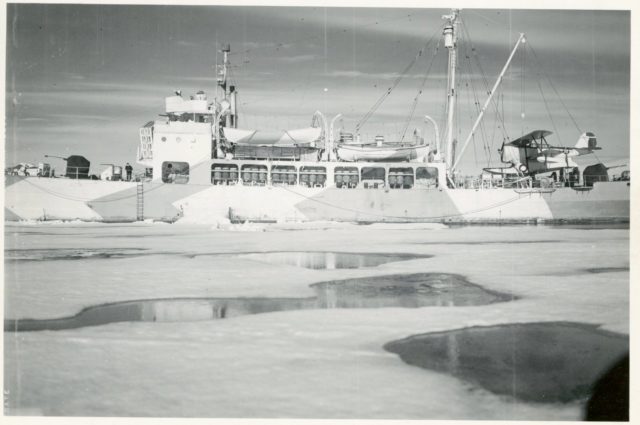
column 526, row 140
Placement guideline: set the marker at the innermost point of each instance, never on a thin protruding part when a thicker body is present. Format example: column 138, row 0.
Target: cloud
column 360, row 74
column 185, row 43
column 79, row 99
column 32, row 119
column 254, row 45
column 81, row 117
column 299, row 58
column 75, row 76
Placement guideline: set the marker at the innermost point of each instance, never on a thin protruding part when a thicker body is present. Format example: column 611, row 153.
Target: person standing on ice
column 129, row 169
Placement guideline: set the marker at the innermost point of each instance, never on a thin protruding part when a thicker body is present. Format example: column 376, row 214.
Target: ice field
column 291, row 321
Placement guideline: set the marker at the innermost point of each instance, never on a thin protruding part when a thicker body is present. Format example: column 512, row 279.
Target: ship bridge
column 183, row 133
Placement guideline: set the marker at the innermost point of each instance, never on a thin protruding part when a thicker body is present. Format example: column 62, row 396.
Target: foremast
column 228, row 104
column 225, row 112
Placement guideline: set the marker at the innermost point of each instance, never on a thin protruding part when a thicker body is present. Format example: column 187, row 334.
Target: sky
column 82, row 79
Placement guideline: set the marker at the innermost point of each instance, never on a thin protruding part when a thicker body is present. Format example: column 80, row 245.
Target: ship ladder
column 140, row 201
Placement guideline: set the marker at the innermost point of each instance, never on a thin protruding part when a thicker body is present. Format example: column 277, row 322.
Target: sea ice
column 291, row 364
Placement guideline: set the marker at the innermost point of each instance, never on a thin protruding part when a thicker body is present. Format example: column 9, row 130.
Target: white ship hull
column 31, row 198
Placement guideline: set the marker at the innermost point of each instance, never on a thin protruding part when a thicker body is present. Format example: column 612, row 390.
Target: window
column 401, row 178
column 313, row 176
column 346, row 177
column 373, row 177
column 427, row 177
column 284, row 174
column 224, row 174
column 175, row 172
column 254, row 174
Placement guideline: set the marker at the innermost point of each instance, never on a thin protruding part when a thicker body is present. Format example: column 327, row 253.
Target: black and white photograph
column 313, row 210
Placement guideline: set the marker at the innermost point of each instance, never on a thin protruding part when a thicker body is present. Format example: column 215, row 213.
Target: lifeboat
column 386, row 153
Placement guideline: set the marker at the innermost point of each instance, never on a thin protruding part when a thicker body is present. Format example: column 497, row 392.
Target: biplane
column 531, row 154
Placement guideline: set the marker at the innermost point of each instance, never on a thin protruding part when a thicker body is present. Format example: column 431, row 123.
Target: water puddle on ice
column 539, row 362
column 505, row 242
column 54, row 254
column 329, row 260
column 608, row 269
column 408, row 291
column 310, row 260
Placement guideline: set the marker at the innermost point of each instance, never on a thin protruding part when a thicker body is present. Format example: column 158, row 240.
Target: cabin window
column 284, row 174
column 224, row 174
column 175, row 172
column 401, row 178
column 346, row 177
column 373, row 177
column 254, row 174
column 313, row 176
column 427, row 177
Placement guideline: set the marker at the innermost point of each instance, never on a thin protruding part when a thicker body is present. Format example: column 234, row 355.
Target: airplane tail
column 587, row 141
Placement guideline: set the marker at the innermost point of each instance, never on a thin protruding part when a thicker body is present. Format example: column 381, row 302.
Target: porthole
column 164, row 139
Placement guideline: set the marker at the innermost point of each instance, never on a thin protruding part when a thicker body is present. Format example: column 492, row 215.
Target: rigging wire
column 483, row 75
column 554, row 88
column 443, row 108
column 499, row 116
column 469, row 93
column 415, row 99
column 493, row 135
column 546, row 106
column 382, row 98
column 523, row 55
column 395, row 83
column 476, row 103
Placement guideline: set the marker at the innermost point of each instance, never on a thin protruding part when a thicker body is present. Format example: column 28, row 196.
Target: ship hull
column 30, row 198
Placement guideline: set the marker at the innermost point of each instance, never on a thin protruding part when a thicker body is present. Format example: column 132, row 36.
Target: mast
column 231, row 118
column 224, row 68
column 450, row 34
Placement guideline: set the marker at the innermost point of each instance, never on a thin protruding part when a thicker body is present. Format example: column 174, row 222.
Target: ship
column 200, row 166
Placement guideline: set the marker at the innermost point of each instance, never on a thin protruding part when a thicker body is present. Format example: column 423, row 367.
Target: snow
column 290, row 364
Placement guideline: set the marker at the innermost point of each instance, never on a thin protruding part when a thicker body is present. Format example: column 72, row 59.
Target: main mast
column 450, row 34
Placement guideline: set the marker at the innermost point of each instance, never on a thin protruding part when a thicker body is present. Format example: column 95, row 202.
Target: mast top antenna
column 452, row 16
column 449, row 31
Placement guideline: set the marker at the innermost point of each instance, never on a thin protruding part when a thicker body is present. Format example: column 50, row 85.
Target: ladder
column 140, row 200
